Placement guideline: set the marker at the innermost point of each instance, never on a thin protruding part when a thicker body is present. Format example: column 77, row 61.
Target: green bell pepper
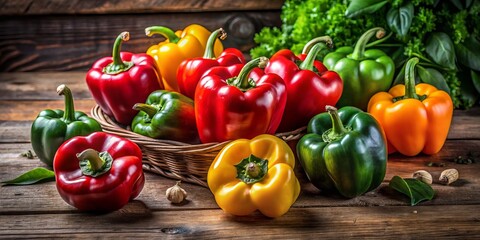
column 364, row 72
column 344, row 151
column 53, row 127
column 166, row 115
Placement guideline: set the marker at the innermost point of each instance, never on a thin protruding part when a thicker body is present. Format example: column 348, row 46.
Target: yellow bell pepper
column 254, row 174
column 178, row 46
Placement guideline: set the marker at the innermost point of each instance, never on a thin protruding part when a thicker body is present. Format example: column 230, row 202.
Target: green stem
column 148, row 109
column 381, row 40
column 422, row 58
column 93, row 163
column 338, row 130
column 307, row 64
column 359, row 50
column 69, row 113
column 91, row 156
column 325, row 39
column 210, row 47
column 164, row 31
column 242, row 81
column 252, row 169
column 118, row 65
column 410, row 79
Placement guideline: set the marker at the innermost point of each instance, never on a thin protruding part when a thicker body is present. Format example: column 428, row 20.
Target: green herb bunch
column 444, row 35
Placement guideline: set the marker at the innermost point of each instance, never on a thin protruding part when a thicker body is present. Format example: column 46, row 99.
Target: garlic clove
column 448, row 176
column 423, row 176
column 176, row 194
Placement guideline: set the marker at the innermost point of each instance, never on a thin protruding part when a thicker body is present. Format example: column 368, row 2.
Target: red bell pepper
column 310, row 86
column 118, row 82
column 190, row 71
column 98, row 172
column 238, row 101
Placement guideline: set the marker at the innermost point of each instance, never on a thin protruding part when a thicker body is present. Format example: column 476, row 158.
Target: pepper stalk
column 359, row 50
column 243, row 81
column 210, row 46
column 93, row 163
column 69, row 113
column 118, row 65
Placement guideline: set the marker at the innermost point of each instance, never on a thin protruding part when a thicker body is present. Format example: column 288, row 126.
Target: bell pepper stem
column 148, row 109
column 118, row 65
column 69, row 113
column 410, row 78
column 93, row 163
column 307, row 64
column 252, row 169
column 242, row 81
column 325, row 39
column 338, row 130
column 164, row 31
column 210, row 47
column 359, row 50
column 381, row 40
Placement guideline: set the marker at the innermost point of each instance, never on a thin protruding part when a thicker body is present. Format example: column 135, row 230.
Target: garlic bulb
column 423, row 176
column 176, row 194
column 448, row 176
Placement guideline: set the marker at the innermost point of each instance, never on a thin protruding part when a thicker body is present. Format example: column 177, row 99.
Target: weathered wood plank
column 42, row 85
column 426, row 222
column 28, row 110
column 37, row 7
column 63, row 42
column 44, row 197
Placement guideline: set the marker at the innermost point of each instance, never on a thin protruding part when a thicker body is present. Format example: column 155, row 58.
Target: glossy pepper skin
column 239, row 101
column 344, row 151
column 191, row 70
column 53, row 127
column 118, row 82
column 99, row 172
column 254, row 174
column 416, row 118
column 178, row 46
column 364, row 72
column 310, row 86
column 166, row 115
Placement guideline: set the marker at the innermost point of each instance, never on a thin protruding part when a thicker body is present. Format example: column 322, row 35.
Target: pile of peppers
column 189, row 89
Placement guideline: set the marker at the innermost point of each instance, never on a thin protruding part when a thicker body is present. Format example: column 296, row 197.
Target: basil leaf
column 475, row 79
column 31, row 177
column 440, row 48
column 415, row 189
column 360, row 7
column 400, row 19
column 433, row 77
column 468, row 53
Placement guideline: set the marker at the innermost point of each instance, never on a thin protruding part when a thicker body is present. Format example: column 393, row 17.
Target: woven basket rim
column 196, row 171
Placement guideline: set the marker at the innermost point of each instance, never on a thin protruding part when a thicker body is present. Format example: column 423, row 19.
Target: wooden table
column 38, row 211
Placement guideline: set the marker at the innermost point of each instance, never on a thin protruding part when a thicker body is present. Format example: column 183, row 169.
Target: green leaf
column 32, row 176
column 440, row 48
column 433, row 77
column 475, row 79
column 400, row 19
column 468, row 53
column 360, row 7
column 415, row 189
column 400, row 78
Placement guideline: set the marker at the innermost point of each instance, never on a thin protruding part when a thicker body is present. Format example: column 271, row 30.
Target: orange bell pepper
column 178, row 46
column 415, row 118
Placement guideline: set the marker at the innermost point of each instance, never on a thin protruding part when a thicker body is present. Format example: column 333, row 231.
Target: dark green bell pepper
column 344, row 151
column 364, row 72
column 53, row 127
column 166, row 115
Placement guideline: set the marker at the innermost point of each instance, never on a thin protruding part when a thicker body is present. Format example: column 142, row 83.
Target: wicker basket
column 172, row 159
